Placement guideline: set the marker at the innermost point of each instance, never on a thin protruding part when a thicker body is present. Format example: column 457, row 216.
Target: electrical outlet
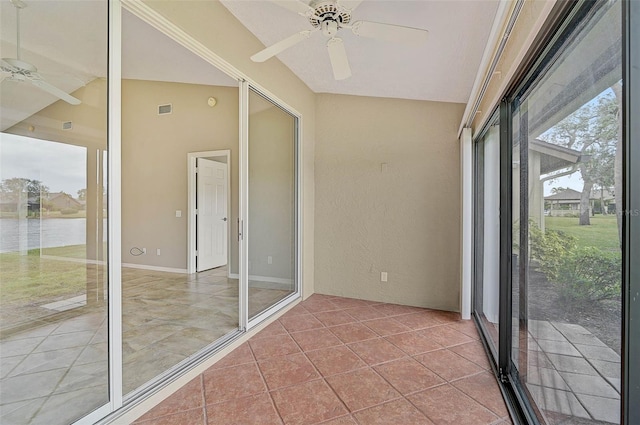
column 383, row 276
column 158, row 251
column 178, row 213
column 269, row 260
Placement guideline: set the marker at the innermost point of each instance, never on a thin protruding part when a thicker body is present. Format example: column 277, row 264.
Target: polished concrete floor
column 55, row 371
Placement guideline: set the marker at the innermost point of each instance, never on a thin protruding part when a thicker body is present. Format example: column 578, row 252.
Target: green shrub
column 549, row 249
column 68, row 211
column 589, row 274
column 582, row 274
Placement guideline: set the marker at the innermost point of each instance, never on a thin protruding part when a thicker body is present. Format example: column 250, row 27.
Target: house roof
column 565, row 195
column 554, row 157
column 574, row 195
column 53, row 196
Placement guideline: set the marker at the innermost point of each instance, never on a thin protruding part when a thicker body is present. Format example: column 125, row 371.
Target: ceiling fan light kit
column 329, row 17
column 24, row 72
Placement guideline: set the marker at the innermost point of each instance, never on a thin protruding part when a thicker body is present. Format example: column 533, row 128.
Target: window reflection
column 53, row 156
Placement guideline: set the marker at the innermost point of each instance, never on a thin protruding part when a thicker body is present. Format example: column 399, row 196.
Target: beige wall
column 403, row 220
column 214, row 26
column 154, row 163
column 271, row 191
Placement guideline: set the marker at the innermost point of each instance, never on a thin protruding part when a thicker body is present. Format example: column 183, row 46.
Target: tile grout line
column 204, row 400
column 264, row 381
column 322, row 377
column 371, row 367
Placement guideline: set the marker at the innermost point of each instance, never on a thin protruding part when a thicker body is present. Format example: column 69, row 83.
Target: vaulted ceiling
column 70, row 50
column 441, row 69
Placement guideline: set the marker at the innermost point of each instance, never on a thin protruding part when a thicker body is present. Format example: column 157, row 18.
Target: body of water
column 32, row 233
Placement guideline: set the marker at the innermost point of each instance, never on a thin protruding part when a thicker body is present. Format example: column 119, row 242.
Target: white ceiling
column 148, row 54
column 66, row 41
column 443, row 69
column 56, row 37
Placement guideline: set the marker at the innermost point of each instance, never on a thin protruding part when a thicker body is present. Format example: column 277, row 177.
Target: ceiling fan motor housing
column 329, row 17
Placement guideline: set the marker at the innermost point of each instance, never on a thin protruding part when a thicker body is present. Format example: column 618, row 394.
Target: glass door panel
column 180, row 156
column 53, row 212
column 567, row 352
column 487, row 233
column 271, row 227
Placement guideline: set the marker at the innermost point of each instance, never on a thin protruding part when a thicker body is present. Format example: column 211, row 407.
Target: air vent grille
column 67, row 125
column 165, row 109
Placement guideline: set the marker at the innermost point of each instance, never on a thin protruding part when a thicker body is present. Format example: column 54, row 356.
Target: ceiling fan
column 25, row 72
column 330, row 16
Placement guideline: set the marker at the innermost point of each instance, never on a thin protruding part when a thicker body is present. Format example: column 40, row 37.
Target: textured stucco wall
column 402, row 217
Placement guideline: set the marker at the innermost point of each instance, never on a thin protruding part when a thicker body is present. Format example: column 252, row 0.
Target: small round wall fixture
column 212, row 101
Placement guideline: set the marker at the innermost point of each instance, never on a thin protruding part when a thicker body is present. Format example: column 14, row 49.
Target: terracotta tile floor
column 343, row 361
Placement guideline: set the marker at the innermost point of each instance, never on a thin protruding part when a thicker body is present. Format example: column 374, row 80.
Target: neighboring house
column 545, row 161
column 10, row 203
column 567, row 202
column 607, row 196
column 62, row 201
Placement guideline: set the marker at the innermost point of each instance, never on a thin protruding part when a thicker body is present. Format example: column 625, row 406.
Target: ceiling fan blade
column 294, row 6
column 339, row 60
column 350, row 4
column 389, row 32
column 55, row 91
column 280, row 46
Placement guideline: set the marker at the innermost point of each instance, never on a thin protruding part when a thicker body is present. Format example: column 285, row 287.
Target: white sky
column 573, row 181
column 59, row 166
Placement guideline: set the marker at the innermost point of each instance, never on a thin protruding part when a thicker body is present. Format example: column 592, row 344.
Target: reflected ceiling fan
column 330, row 16
column 24, row 72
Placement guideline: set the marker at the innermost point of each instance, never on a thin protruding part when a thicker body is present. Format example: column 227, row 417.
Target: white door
column 211, row 214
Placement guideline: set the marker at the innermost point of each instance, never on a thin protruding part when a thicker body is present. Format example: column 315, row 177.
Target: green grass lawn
column 30, row 278
column 602, row 233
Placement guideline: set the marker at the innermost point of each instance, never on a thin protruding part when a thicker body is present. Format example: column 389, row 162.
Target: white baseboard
column 73, row 260
column 275, row 282
column 154, row 268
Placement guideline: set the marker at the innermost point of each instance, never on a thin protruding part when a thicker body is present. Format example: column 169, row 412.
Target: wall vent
column 164, row 109
column 67, row 125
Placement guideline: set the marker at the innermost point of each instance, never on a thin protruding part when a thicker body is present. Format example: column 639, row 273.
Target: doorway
column 209, row 218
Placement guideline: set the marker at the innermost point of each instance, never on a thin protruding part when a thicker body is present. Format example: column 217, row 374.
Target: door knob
column 224, row 219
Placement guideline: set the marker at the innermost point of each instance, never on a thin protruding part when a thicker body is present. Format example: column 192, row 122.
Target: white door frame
column 191, row 205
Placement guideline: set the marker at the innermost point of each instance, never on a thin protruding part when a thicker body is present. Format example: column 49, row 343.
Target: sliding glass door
column 560, row 215
column 567, row 124
column 110, row 291
column 180, row 156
